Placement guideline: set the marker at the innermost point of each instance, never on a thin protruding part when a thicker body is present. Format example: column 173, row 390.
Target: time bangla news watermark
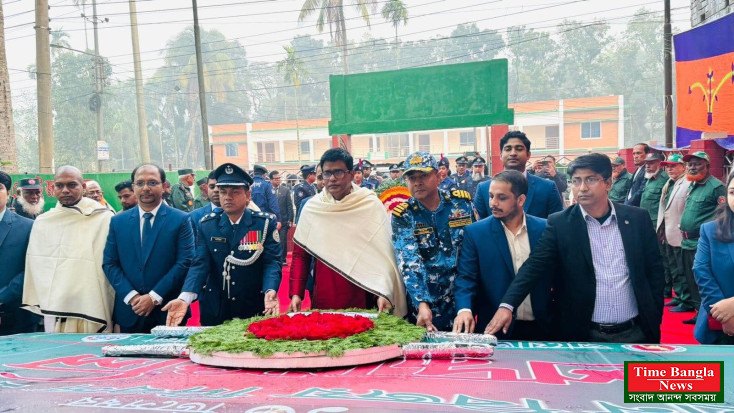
column 674, row 382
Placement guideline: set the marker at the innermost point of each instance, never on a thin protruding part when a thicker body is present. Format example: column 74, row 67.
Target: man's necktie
column 147, row 227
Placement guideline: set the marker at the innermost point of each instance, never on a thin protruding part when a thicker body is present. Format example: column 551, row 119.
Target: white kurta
column 64, row 280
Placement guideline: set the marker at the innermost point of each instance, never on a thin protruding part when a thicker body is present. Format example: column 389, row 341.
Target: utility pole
column 142, row 119
column 668, row 67
column 202, row 90
column 43, row 82
column 98, row 80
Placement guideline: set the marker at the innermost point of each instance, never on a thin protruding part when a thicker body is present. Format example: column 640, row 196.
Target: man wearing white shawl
column 64, row 280
column 346, row 231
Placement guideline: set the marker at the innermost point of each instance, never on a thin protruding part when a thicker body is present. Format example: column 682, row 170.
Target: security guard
column 704, row 195
column 368, row 175
column 305, row 189
column 358, row 169
column 427, row 233
column 263, row 193
column 655, row 180
column 203, row 198
column 181, row 197
column 237, row 269
column 621, row 181
column 478, row 176
column 462, row 175
column 447, row 184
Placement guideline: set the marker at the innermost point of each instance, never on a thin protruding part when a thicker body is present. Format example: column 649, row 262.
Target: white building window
column 591, row 130
column 424, row 142
column 466, row 139
column 231, row 149
column 397, row 145
column 374, row 148
column 266, row 152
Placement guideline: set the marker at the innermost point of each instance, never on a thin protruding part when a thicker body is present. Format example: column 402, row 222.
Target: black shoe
column 681, row 309
column 672, row 303
column 691, row 320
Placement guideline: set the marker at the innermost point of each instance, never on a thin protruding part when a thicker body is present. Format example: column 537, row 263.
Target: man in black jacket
column 604, row 262
column 287, row 214
column 639, row 153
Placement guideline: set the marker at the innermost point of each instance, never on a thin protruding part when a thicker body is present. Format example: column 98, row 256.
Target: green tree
column 8, row 154
column 396, row 11
column 331, row 13
column 293, row 71
column 532, row 64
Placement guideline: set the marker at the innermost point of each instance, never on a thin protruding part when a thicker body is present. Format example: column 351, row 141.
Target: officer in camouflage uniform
column 704, row 195
column 621, row 182
column 181, row 197
column 427, row 233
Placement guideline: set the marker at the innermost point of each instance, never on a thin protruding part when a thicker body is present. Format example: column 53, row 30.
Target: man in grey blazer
column 672, row 204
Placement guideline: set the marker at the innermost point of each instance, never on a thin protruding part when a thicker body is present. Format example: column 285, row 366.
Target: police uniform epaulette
column 263, row 215
column 209, row 216
column 461, row 194
column 400, row 209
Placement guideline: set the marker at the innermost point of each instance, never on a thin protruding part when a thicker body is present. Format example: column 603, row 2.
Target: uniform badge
column 721, row 200
column 218, row 239
column 276, row 236
column 416, row 159
column 191, row 203
column 228, row 170
column 251, row 242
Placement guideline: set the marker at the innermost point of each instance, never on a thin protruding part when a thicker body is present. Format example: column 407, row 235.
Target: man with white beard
column 477, row 175
column 31, row 201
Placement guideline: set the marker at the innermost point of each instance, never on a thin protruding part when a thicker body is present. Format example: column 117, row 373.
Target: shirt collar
column 154, row 211
column 586, row 214
column 524, row 226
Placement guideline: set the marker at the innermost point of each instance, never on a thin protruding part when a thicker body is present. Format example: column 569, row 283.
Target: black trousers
column 688, row 256
column 283, row 233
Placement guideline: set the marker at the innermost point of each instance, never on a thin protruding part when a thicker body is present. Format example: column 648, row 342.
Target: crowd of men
column 467, row 252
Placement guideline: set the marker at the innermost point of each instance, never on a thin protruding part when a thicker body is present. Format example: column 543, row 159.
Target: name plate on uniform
column 423, row 231
column 459, row 222
column 218, row 239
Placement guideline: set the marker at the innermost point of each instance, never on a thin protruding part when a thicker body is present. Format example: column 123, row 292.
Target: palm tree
column 293, row 71
column 396, row 11
column 9, row 157
column 331, row 12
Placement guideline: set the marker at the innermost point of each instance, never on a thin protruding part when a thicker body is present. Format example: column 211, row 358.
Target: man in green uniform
column 655, row 180
column 203, row 198
column 181, row 194
column 704, row 195
column 621, row 181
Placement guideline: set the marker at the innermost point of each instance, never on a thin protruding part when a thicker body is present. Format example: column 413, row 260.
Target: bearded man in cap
column 621, row 181
column 181, row 197
column 477, row 175
column 263, row 193
column 64, row 280
column 345, row 232
column 203, row 198
column 236, row 271
column 305, row 189
column 31, row 201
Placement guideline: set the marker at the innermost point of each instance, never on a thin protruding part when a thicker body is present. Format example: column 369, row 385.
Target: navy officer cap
column 229, row 174
column 307, row 170
column 259, row 169
column 462, row 160
column 395, row 168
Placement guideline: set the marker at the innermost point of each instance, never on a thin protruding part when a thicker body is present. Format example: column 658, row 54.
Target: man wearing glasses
column 148, row 253
column 604, row 264
column 95, row 192
column 344, row 230
column 64, row 280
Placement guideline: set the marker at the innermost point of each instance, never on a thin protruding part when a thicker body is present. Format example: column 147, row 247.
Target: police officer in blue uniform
column 447, row 184
column 237, row 270
column 306, row 188
column 367, row 174
column 358, row 169
column 263, row 193
column 427, row 233
column 462, row 175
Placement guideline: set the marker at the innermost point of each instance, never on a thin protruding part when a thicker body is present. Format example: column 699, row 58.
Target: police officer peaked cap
column 478, row 161
column 186, row 171
column 259, row 169
column 307, row 170
column 462, row 160
column 395, row 167
column 366, row 164
column 230, row 174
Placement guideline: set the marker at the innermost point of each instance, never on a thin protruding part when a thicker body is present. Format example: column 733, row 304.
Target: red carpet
column 673, row 330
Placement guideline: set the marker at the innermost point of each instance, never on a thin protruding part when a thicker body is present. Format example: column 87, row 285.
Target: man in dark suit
column 543, row 196
column 14, row 234
column 148, row 253
column 287, row 213
column 639, row 154
column 493, row 251
column 604, row 263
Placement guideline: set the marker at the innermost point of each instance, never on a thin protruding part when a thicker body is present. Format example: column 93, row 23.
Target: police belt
column 614, row 328
column 695, row 234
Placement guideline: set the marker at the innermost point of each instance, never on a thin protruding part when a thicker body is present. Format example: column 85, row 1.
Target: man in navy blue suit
column 492, row 253
column 148, row 253
column 543, row 197
column 14, row 234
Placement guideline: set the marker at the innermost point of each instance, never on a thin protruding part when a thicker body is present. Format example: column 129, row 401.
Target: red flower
column 314, row 326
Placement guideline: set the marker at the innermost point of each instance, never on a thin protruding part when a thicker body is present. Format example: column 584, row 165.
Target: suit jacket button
column 233, row 298
column 210, row 290
column 215, row 250
column 232, row 282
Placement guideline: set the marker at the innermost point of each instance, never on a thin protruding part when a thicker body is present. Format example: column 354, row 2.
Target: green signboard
column 436, row 97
